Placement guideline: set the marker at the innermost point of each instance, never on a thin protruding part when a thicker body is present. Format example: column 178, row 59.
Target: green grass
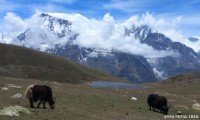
column 79, row 102
column 83, row 102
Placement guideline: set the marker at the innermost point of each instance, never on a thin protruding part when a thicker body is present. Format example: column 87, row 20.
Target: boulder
column 196, row 106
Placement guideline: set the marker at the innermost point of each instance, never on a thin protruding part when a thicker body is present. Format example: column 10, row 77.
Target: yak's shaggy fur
column 41, row 93
column 28, row 91
column 158, row 102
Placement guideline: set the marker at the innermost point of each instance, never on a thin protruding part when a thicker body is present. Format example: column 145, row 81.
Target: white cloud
column 194, row 45
column 100, row 34
column 109, row 34
column 13, row 23
column 161, row 75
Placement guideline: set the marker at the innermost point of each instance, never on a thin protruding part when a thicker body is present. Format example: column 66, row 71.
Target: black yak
column 158, row 102
column 42, row 93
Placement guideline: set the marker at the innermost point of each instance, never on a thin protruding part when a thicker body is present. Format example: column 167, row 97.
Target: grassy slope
column 181, row 92
column 22, row 62
column 82, row 102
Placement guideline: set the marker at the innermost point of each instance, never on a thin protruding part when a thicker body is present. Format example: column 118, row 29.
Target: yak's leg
column 38, row 106
column 31, row 103
column 150, row 107
column 153, row 109
column 44, row 102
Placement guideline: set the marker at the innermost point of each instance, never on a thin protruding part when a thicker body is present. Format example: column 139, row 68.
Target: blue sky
column 187, row 10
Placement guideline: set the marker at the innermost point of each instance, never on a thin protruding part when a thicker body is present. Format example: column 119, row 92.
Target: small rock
column 117, row 89
column 194, row 101
column 4, row 88
column 179, row 112
column 134, row 98
column 57, row 83
column 17, row 96
column 182, row 106
column 13, row 86
column 196, row 106
column 190, row 80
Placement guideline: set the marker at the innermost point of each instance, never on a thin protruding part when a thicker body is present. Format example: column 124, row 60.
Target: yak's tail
column 28, row 92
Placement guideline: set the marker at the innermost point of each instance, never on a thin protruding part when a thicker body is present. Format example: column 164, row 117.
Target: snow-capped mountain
column 47, row 32
column 132, row 67
column 130, row 51
column 185, row 61
column 7, row 37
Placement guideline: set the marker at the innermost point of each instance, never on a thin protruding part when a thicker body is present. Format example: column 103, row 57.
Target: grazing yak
column 41, row 93
column 158, row 102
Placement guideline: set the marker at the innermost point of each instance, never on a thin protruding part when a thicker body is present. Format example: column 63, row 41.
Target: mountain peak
column 57, row 25
column 45, row 33
column 140, row 32
column 44, row 15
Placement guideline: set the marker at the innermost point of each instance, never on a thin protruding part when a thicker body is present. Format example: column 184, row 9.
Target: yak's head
column 52, row 103
column 165, row 109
